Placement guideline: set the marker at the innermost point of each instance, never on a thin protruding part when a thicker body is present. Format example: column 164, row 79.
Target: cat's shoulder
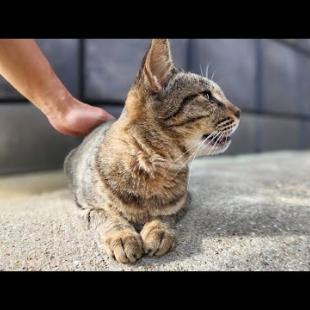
column 91, row 141
column 101, row 130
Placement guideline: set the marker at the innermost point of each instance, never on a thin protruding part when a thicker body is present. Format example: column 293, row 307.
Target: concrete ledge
column 28, row 142
column 249, row 212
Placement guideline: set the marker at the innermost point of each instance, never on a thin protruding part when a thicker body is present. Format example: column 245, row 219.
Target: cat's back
column 81, row 159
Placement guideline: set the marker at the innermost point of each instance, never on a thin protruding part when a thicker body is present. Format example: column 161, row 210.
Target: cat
column 131, row 174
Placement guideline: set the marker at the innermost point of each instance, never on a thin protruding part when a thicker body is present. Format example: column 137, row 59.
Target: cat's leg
column 158, row 236
column 118, row 237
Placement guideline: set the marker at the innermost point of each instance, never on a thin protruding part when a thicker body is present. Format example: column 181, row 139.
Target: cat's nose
column 237, row 113
column 234, row 110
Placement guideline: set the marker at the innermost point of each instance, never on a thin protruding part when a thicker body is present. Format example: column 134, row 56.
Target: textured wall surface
column 268, row 79
column 28, row 142
column 111, row 65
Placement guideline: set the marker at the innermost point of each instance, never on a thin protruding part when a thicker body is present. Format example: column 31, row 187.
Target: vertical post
column 81, row 69
column 300, row 100
column 258, row 95
column 189, row 57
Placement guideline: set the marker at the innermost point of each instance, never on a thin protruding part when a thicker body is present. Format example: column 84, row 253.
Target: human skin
column 25, row 67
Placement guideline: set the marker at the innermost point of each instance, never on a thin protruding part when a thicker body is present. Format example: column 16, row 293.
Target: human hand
column 25, row 67
column 78, row 118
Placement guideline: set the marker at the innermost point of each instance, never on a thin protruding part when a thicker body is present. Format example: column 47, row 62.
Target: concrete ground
column 249, row 212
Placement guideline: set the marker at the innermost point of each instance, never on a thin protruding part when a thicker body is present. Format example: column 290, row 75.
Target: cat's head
column 188, row 106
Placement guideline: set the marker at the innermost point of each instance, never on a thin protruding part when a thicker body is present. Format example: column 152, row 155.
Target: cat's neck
column 143, row 154
column 150, row 141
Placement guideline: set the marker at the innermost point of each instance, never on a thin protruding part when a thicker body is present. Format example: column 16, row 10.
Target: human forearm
column 25, row 67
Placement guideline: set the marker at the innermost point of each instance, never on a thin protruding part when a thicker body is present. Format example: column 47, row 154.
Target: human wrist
column 56, row 103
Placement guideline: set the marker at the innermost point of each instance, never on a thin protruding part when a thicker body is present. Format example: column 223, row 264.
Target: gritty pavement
column 249, row 212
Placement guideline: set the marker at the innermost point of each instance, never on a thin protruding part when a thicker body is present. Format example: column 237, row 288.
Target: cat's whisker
column 196, row 153
column 212, row 136
column 180, row 157
column 209, row 142
column 185, row 162
column 207, row 71
column 216, row 142
column 201, row 72
column 193, row 147
column 214, row 139
column 190, row 165
column 213, row 75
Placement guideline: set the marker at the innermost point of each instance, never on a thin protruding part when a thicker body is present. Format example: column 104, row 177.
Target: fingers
column 106, row 116
column 80, row 119
column 98, row 113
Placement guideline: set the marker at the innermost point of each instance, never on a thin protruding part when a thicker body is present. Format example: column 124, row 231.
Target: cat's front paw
column 157, row 238
column 125, row 246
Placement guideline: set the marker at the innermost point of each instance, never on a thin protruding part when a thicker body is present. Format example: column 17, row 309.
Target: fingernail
column 110, row 117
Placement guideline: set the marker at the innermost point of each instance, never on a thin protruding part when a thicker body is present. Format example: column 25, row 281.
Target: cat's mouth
column 216, row 139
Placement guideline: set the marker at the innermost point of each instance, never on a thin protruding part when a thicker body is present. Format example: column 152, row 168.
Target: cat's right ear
column 157, row 65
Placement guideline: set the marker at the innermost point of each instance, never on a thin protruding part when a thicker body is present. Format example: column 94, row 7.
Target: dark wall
column 268, row 79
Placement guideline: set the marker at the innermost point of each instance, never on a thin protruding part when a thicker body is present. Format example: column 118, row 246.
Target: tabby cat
column 132, row 174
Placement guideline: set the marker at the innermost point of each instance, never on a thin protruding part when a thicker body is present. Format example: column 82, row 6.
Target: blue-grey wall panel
column 28, row 142
column 279, row 133
column 244, row 139
column 234, row 64
column 281, row 73
column 112, row 64
column 63, row 56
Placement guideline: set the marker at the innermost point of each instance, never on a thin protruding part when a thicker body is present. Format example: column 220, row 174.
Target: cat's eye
column 207, row 94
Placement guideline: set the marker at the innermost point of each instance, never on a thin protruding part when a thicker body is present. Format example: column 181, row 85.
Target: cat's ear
column 158, row 64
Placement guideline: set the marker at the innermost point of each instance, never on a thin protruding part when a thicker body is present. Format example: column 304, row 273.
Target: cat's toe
column 124, row 246
column 158, row 242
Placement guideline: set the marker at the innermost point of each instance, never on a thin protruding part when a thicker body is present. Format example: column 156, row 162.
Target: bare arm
column 25, row 67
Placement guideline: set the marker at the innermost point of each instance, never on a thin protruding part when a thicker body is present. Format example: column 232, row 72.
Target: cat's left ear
column 158, row 65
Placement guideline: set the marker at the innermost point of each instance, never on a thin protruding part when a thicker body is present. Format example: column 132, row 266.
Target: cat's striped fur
column 131, row 174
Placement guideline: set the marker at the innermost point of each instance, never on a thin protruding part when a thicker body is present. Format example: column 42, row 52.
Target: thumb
column 104, row 115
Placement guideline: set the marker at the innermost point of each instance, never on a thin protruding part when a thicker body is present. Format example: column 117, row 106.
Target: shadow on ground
column 247, row 213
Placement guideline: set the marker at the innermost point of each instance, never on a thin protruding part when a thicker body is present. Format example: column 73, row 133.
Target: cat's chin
column 214, row 149
column 222, row 148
